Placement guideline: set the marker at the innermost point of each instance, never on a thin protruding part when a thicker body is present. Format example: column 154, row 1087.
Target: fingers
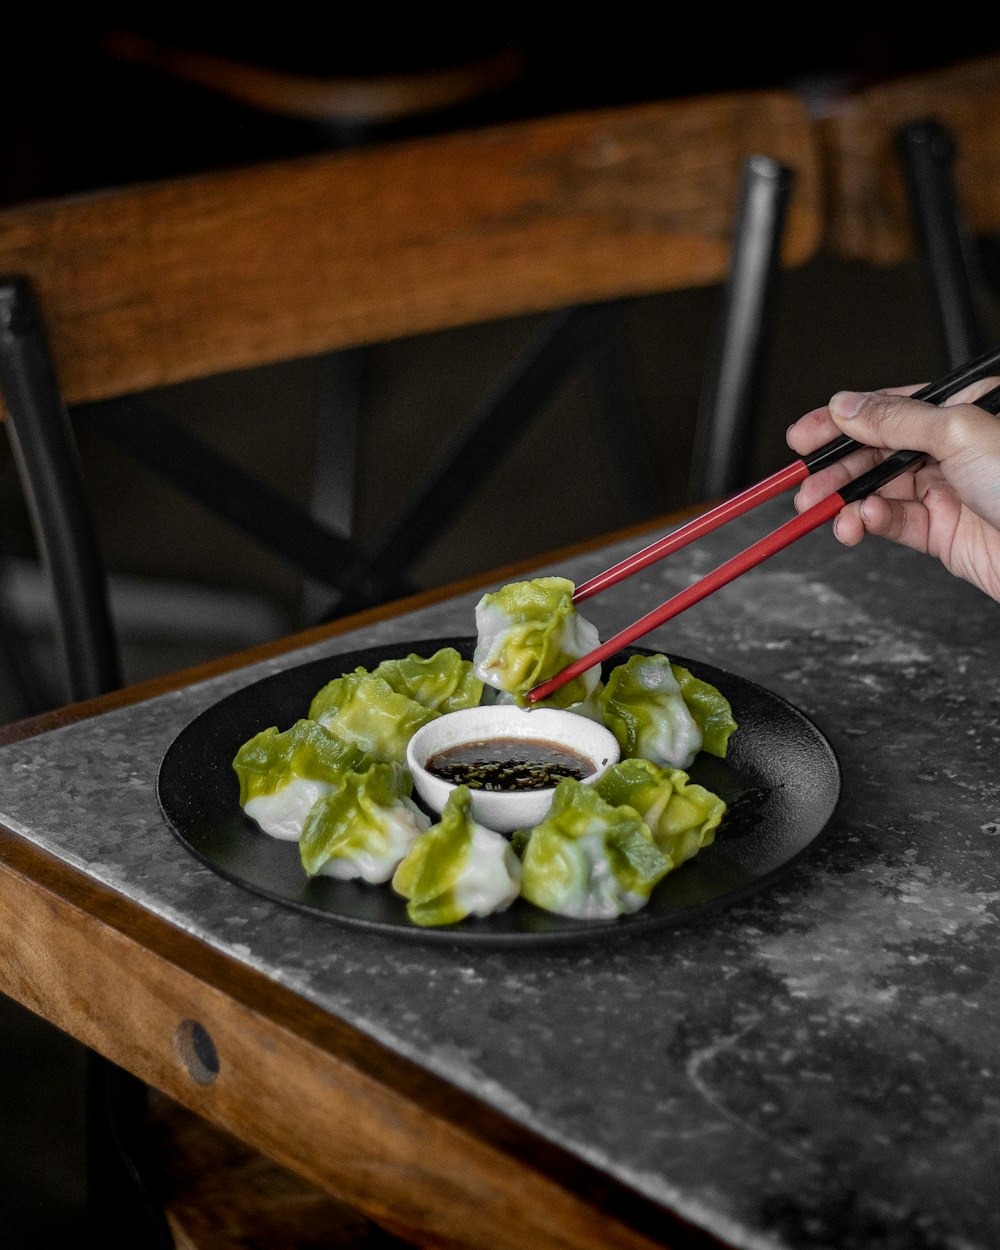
column 974, row 391
column 922, row 516
column 961, row 437
column 848, row 525
column 896, row 422
column 811, row 431
column 819, row 485
column 902, row 521
column 817, row 427
column 928, row 510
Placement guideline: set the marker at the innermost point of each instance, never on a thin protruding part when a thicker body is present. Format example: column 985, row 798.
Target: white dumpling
column 283, row 813
column 491, row 877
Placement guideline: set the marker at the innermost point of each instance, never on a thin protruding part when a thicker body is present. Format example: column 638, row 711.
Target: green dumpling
column 644, row 708
column 443, row 682
column 710, row 708
column 529, row 631
column 457, row 868
column 363, row 826
column 364, row 709
column 588, row 858
column 681, row 816
column 281, row 774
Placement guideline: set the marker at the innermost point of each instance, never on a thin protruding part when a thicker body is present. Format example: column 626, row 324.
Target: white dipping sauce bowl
column 501, row 810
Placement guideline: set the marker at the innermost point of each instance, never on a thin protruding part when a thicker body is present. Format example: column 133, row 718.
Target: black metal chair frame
column 956, row 266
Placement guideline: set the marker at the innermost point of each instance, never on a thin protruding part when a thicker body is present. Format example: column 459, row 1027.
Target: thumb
column 898, row 422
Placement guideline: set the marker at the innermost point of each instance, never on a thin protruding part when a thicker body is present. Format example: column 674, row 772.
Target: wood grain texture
column 867, row 214
column 219, row 1194
column 171, row 281
column 417, row 1156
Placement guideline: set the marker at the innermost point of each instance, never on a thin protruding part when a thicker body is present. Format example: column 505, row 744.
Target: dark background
column 75, row 118
column 78, row 117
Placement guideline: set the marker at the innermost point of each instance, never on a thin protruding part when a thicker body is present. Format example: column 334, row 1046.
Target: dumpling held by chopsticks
column 527, row 632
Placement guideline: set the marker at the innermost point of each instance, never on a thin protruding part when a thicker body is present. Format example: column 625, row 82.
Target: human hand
column 949, row 507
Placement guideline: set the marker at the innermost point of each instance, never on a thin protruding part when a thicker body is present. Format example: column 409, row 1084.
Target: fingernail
column 847, row 403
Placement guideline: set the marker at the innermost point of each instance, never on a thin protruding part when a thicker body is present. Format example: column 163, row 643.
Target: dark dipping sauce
column 509, row 764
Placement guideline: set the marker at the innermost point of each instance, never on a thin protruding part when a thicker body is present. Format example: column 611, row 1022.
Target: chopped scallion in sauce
column 509, row 764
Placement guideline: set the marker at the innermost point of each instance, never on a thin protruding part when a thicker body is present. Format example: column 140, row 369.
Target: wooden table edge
column 89, row 960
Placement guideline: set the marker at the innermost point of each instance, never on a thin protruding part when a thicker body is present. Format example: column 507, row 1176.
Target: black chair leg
column 123, row 1215
column 736, row 365
column 47, row 457
column 946, row 249
column 625, row 442
column 18, row 694
column 336, row 459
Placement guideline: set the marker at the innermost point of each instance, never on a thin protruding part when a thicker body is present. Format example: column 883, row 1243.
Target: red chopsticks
column 774, row 485
column 772, row 543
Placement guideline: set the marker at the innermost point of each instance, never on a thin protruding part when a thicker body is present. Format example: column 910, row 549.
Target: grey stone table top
column 813, row 1066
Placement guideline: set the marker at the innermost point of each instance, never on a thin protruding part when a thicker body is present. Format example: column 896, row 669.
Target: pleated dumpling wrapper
column 363, row 826
column 458, row 868
column 710, row 708
column 443, row 682
column 364, row 709
column 283, row 773
column 527, row 632
column 681, row 816
column 654, row 717
column 589, row 859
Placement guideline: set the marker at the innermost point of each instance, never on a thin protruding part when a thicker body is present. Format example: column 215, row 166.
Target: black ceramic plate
column 781, row 781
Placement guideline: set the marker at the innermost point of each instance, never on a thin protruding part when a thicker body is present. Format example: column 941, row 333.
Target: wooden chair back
column 162, row 283
column 868, row 213
column 136, row 288
column 910, row 169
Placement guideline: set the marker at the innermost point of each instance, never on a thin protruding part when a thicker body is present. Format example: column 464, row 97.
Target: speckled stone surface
column 816, row 1066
